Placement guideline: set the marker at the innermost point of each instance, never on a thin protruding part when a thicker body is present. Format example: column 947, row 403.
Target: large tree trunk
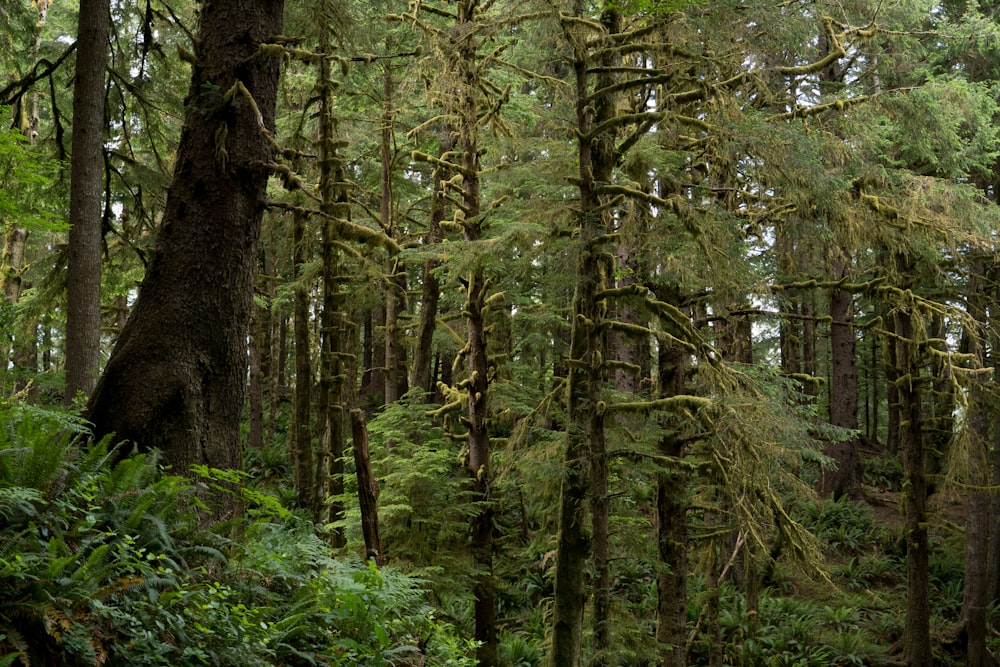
column 83, row 280
column 177, row 377
column 585, row 462
column 846, row 479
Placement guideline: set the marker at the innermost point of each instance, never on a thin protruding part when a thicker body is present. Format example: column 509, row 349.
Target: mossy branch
column 346, row 229
column 436, row 161
column 835, row 105
column 681, row 402
column 837, row 51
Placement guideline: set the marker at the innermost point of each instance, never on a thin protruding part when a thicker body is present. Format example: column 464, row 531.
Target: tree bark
column 585, row 462
column 423, row 353
column 906, row 376
column 672, row 528
column 979, row 525
column 367, row 488
column 303, row 463
column 333, row 329
column 83, row 280
column 846, row 479
column 176, row 380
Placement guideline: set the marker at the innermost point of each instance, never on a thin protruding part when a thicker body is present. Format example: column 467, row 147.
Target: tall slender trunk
column 672, row 527
column 431, row 290
column 906, row 376
column 979, row 525
column 585, row 462
column 83, row 281
column 394, row 292
column 302, row 454
column 478, row 381
column 333, row 329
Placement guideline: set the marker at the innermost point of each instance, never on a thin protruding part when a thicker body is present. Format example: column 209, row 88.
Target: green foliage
column 424, row 506
column 842, row 525
column 884, row 471
column 788, row 631
column 102, row 561
column 26, row 177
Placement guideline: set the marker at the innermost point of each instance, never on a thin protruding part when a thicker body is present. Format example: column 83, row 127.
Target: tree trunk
column 671, row 525
column 424, row 350
column 585, row 462
column 367, row 488
column 303, row 463
column 478, row 382
column 255, row 439
column 83, row 280
column 333, row 329
column 979, row 525
column 846, row 479
column 906, row 376
column 176, row 380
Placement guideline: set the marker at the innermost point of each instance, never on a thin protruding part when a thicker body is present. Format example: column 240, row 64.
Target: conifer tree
column 176, row 379
column 83, row 307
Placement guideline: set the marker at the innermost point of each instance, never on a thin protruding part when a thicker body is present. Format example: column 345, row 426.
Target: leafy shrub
column 884, row 471
column 103, row 562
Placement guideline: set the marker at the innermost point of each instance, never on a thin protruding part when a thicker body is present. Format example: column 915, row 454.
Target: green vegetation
column 107, row 560
column 500, row 332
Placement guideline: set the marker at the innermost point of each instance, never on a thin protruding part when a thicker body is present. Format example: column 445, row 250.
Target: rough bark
column 845, row 480
column 585, row 462
column 176, row 379
column 477, row 384
column 333, row 329
column 906, row 376
column 302, row 453
column 83, row 280
column 671, row 526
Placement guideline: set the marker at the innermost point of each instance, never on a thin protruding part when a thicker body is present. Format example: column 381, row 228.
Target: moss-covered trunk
column 176, row 380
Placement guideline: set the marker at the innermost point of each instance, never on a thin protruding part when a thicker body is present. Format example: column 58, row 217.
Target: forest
column 500, row 333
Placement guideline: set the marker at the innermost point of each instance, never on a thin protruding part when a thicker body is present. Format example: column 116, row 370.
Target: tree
column 176, row 378
column 83, row 311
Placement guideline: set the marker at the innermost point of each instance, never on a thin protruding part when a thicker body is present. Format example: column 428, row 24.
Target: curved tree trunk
column 177, row 377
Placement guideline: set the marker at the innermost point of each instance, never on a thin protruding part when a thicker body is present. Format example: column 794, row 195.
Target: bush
column 103, row 562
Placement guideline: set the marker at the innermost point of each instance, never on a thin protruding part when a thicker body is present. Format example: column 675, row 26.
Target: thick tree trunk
column 845, row 480
column 83, row 280
column 177, row 377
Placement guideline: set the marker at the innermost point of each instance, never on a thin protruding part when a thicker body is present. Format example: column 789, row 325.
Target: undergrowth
column 104, row 561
